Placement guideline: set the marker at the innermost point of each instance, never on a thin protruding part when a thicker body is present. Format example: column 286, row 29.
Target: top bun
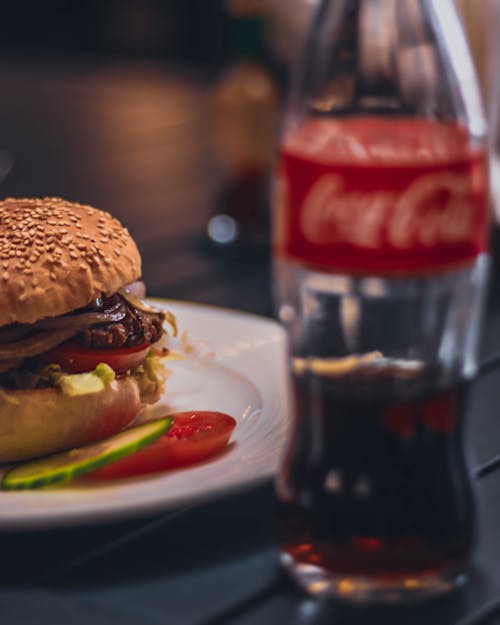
column 57, row 256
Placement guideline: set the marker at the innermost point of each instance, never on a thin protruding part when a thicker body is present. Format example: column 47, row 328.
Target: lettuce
column 87, row 383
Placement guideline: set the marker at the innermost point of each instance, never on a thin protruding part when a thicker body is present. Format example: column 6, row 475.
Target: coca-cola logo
column 434, row 209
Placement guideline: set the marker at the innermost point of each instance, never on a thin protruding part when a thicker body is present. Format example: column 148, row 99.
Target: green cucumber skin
column 10, row 482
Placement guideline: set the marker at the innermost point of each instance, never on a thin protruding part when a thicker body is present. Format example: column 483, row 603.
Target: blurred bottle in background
column 244, row 106
column 380, row 238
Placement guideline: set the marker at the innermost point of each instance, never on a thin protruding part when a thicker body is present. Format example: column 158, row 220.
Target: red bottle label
column 380, row 196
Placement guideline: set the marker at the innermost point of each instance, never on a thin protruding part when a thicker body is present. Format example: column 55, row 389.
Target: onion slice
column 15, row 332
column 79, row 321
column 140, row 305
column 36, row 344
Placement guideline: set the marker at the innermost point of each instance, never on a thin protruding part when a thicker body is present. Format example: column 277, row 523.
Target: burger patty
column 136, row 327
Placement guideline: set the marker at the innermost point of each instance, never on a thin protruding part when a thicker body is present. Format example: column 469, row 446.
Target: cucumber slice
column 66, row 465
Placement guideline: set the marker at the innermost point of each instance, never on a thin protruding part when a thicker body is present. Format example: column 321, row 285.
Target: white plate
column 240, row 371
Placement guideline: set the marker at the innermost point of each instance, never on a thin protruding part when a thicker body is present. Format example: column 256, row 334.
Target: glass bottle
column 380, row 268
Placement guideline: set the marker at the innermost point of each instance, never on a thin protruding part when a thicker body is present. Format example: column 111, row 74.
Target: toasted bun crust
column 38, row 422
column 56, row 256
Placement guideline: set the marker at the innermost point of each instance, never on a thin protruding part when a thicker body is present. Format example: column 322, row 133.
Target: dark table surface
column 134, row 139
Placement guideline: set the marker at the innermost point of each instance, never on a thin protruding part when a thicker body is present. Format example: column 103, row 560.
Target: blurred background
column 184, row 31
column 165, row 113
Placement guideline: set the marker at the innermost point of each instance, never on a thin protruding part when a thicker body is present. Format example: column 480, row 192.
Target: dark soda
column 375, row 482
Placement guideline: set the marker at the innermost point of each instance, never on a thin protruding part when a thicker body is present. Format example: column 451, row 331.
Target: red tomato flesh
column 194, row 437
column 76, row 358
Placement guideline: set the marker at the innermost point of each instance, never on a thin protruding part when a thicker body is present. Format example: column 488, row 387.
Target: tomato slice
column 194, row 437
column 76, row 358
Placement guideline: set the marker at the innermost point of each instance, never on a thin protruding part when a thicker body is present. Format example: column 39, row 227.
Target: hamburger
column 79, row 349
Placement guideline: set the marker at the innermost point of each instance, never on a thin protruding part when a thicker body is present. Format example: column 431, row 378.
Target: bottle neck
column 388, row 57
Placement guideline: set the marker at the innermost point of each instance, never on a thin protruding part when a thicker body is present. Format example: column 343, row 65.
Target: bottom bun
column 39, row 422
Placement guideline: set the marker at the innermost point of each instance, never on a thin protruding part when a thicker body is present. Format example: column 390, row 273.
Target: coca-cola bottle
column 380, row 235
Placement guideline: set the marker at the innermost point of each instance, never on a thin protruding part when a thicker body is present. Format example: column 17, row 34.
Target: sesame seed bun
column 57, row 256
